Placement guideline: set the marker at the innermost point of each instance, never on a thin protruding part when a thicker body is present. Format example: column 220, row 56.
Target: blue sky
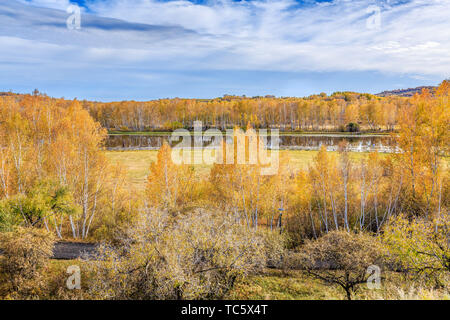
column 150, row 49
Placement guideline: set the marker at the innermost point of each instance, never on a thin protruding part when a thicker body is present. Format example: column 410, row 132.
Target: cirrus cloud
column 245, row 36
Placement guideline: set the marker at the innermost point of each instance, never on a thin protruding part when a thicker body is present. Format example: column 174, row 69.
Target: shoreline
column 281, row 133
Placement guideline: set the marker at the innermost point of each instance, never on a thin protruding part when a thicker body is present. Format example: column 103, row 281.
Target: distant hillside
column 406, row 92
column 7, row 94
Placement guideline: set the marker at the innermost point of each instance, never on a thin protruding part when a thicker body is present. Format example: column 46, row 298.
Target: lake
column 357, row 143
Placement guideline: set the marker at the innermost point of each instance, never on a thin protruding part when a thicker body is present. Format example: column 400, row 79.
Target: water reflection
column 360, row 143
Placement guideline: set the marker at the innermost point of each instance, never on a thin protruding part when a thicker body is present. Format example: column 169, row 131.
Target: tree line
column 341, row 111
column 315, row 113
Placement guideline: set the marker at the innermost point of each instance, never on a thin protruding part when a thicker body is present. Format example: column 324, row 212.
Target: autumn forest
column 324, row 219
column 314, row 113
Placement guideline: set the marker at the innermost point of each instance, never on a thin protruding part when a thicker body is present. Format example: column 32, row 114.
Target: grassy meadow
column 276, row 284
column 137, row 163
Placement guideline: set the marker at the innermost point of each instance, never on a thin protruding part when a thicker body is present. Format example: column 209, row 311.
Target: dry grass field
column 137, row 163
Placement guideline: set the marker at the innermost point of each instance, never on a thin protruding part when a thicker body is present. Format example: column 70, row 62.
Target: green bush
column 352, row 127
column 421, row 246
column 173, row 125
column 8, row 218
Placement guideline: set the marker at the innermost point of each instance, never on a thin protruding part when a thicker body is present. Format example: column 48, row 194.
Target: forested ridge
column 341, row 111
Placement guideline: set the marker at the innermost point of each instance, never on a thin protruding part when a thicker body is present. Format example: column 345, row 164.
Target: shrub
column 8, row 218
column 199, row 255
column 274, row 247
column 420, row 245
column 173, row 125
column 25, row 253
column 352, row 127
column 341, row 258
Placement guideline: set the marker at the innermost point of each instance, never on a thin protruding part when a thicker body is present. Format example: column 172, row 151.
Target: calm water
column 358, row 143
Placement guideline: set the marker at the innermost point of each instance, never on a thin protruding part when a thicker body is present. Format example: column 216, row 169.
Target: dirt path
column 73, row 250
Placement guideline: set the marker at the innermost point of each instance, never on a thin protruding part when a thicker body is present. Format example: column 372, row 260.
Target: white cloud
column 248, row 35
column 55, row 4
column 278, row 35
